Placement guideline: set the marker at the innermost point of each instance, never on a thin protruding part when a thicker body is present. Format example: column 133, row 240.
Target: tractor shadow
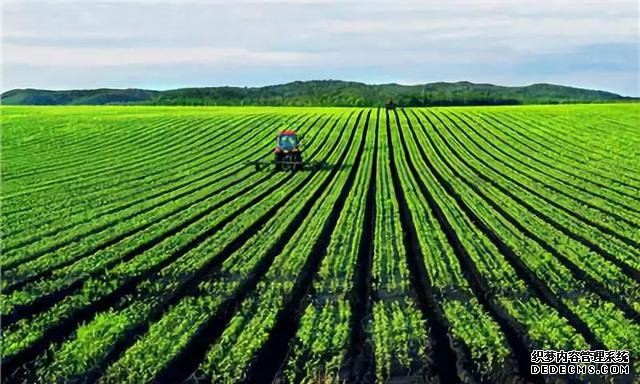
column 316, row 169
column 325, row 167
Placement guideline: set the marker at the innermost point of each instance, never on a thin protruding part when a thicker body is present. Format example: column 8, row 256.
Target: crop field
column 435, row 245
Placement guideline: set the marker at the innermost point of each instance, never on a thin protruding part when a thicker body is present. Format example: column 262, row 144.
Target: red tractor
column 287, row 154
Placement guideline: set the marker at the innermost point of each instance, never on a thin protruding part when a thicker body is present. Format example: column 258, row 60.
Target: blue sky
column 67, row 44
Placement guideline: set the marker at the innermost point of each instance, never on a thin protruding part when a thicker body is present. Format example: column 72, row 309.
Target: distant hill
column 81, row 97
column 321, row 93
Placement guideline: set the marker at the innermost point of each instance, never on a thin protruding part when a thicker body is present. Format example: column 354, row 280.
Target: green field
column 436, row 244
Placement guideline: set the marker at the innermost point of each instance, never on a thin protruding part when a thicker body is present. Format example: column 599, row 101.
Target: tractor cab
column 288, row 155
column 286, row 141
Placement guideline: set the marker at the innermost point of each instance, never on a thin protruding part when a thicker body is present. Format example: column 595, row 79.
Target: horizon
column 198, row 43
column 294, row 81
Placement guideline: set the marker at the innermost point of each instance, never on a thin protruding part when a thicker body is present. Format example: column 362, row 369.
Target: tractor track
column 627, row 269
column 594, row 285
column 111, row 241
column 360, row 354
column 542, row 169
column 483, row 292
column 56, row 231
column 269, row 359
column 67, row 326
column 46, row 301
column 186, row 362
column 448, row 361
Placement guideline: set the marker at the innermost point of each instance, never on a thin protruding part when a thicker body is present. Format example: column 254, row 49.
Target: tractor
column 287, row 154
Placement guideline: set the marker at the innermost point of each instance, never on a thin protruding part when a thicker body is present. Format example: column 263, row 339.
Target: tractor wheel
column 298, row 159
column 278, row 158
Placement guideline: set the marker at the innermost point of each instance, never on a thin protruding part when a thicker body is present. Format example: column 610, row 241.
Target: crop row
column 440, row 244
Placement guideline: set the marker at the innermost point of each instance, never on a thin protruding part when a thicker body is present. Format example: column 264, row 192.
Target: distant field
column 438, row 243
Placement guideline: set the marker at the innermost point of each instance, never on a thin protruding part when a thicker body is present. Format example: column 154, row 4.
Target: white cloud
column 402, row 36
column 83, row 57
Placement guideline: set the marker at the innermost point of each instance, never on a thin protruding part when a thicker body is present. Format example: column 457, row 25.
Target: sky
column 71, row 44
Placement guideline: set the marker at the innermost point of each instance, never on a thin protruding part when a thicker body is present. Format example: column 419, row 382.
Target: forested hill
column 320, row 93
